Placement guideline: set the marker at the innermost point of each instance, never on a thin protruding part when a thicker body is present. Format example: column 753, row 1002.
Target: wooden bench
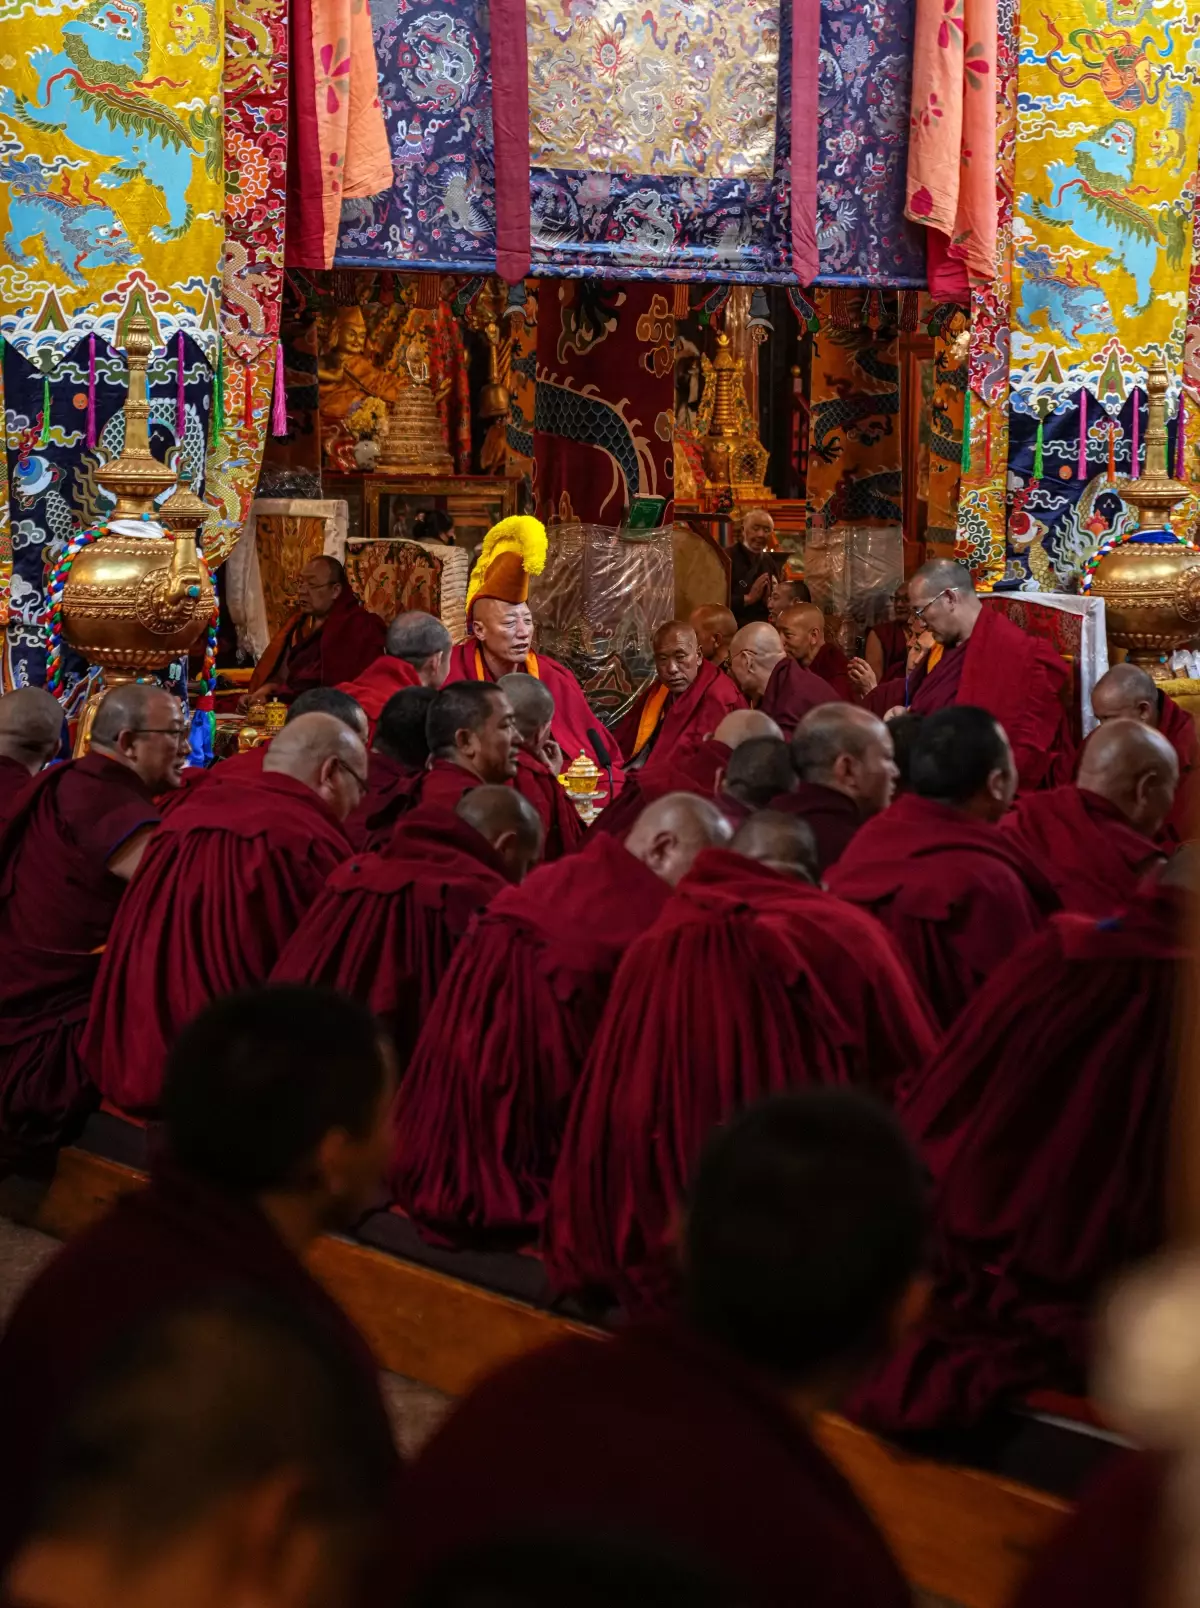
column 960, row 1534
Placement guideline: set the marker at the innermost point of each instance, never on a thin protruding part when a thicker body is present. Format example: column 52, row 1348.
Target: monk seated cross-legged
column 276, row 1107
column 330, row 639
column 1044, row 1120
column 224, row 885
column 385, row 925
column 684, row 704
column 1127, row 693
column 399, row 754
column 774, row 683
column 416, row 654
column 31, row 724
column 758, row 771
column 846, row 768
column 76, row 836
column 751, row 981
column 715, row 629
column 802, row 632
column 482, row 1106
column 540, row 762
column 956, row 893
column 801, row 1265
column 1094, row 838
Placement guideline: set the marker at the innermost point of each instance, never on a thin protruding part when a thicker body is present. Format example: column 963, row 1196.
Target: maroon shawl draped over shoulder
column 833, row 817
column 220, row 890
column 443, row 782
column 1091, row 855
column 791, row 692
column 1043, row 1119
column 696, row 773
column 381, row 680
column 175, row 1240
column 388, row 785
column 57, row 903
column 1178, row 727
column 831, row 665
column 957, row 895
column 14, row 779
column 684, row 722
column 336, row 651
column 562, row 828
column 894, row 642
column 660, row 1436
column 480, row 1114
column 384, row 927
column 749, row 982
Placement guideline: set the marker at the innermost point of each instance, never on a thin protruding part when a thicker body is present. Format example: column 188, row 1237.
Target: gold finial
column 137, row 477
column 1155, row 492
column 183, row 510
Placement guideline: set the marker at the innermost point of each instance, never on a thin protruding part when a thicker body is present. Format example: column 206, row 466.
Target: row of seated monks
column 787, row 890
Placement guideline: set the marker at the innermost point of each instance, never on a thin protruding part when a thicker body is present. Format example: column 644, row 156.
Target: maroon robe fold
column 220, row 890
column 384, row 927
column 175, row 1240
column 894, row 642
column 750, row 982
column 481, row 1111
column 1043, row 1119
column 957, row 895
column 443, row 782
column 381, row 680
column 388, row 786
column 14, row 779
column 684, row 722
column 57, row 903
column 659, row 1436
column 696, row 773
column 1178, row 727
column 833, row 817
column 1090, row 854
column 562, row 828
column 831, row 665
column 791, row 692
column 325, row 655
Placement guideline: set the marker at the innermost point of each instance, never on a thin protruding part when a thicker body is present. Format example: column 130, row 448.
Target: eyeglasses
column 350, row 771
column 181, row 734
column 918, row 613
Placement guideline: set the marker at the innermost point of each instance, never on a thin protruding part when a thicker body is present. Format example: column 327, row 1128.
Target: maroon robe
column 696, row 773
column 14, row 779
column 684, row 721
column 481, row 1111
column 1178, row 727
column 57, row 903
column 833, row 817
column 220, row 890
column 957, row 895
column 660, row 1436
column 750, row 982
column 831, row 665
column 562, row 829
column 305, row 655
column 1044, row 1121
column 370, row 825
column 1090, row 854
column 791, row 692
column 893, row 639
column 380, row 681
column 176, row 1240
column 384, row 927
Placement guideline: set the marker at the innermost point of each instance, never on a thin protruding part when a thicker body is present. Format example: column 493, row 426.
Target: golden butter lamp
column 581, row 780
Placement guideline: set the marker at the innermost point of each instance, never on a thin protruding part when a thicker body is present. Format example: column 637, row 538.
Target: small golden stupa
column 411, row 441
column 734, row 458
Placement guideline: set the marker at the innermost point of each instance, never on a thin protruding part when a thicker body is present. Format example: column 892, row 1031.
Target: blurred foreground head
column 222, row 1458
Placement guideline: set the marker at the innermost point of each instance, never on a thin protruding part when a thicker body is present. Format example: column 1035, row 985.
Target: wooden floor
column 958, row 1534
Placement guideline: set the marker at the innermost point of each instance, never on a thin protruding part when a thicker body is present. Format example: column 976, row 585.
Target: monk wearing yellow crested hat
column 500, row 636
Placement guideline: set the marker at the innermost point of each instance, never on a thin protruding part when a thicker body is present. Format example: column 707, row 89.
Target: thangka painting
column 854, row 451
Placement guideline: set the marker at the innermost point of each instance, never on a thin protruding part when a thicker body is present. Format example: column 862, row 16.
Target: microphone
column 600, row 748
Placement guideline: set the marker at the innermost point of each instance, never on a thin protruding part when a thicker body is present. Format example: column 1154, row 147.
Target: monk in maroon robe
column 988, row 663
column 540, row 762
column 715, row 628
column 330, row 640
column 956, row 894
column 399, row 754
column 684, row 704
column 802, row 632
column 31, row 726
column 1044, row 1120
column 774, row 683
column 759, row 770
column 223, row 887
column 750, row 982
column 1095, row 838
column 384, row 927
column 886, row 648
column 66, row 855
column 482, row 1107
column 847, row 773
column 696, row 1436
column 1127, row 693
column 416, row 654
column 277, row 1114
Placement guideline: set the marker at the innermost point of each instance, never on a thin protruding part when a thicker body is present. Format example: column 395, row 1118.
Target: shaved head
column 758, row 771
column 802, row 631
column 940, row 575
column 131, row 707
column 677, row 656
column 715, row 628
column 532, row 704
column 31, row 721
column 1135, row 768
column 753, row 655
column 740, row 725
column 1126, row 693
column 783, row 842
column 144, row 726
column 325, row 755
column 669, row 834
column 508, row 821
column 849, row 749
column 331, row 701
column 942, row 600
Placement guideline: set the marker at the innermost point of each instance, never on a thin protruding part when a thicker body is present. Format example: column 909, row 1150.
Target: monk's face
column 158, row 749
column 757, row 530
column 504, row 629
column 939, row 611
column 491, row 751
column 1110, row 703
column 677, row 659
column 802, row 634
column 317, row 591
column 871, row 776
column 900, row 604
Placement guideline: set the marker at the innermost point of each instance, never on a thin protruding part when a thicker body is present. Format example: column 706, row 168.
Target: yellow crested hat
column 513, row 550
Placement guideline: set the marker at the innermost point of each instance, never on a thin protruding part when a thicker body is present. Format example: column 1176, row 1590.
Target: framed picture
column 383, row 507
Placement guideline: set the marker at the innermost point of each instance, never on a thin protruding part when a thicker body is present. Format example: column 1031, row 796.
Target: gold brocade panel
column 390, row 578
column 286, row 543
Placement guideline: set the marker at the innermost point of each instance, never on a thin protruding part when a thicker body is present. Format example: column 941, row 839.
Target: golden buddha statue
column 346, row 374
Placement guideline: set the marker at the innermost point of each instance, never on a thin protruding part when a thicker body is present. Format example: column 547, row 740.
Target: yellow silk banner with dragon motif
column 1108, row 125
